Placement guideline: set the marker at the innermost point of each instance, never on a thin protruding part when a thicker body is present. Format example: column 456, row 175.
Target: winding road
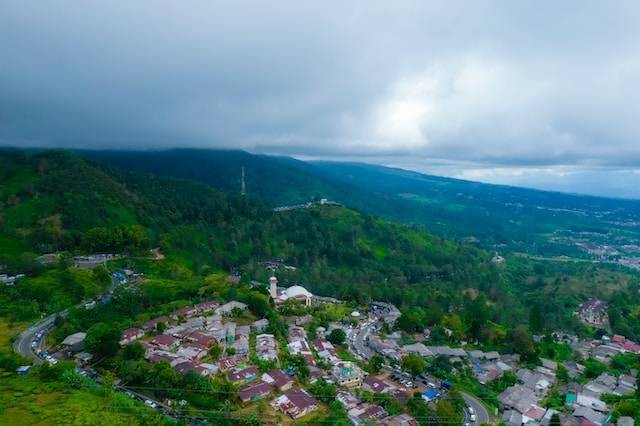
column 482, row 414
column 22, row 344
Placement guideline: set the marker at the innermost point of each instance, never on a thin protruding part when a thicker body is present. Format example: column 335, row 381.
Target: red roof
column 618, row 339
column 301, row 399
column 132, row 332
column 185, row 367
column 248, row 373
column 201, row 338
column 255, row 390
column 375, row 384
column 279, row 377
column 164, row 340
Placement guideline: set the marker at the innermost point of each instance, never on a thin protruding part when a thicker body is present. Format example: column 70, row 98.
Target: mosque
column 296, row 292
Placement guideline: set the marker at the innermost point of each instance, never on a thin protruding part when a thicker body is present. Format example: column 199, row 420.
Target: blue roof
column 430, row 393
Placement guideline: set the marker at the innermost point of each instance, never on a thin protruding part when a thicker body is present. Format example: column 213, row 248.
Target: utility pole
column 243, row 187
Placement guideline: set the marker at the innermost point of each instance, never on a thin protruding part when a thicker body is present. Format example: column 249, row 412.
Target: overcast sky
column 536, row 93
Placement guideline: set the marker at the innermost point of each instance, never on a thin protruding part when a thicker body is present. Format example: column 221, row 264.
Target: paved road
column 360, row 344
column 482, row 414
column 22, row 344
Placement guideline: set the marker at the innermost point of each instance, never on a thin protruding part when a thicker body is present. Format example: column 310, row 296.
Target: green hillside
column 499, row 217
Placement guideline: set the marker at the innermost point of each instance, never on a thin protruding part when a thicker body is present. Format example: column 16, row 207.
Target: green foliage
column 133, row 351
column 102, row 339
column 593, row 368
column 323, row 391
column 413, row 364
column 337, row 336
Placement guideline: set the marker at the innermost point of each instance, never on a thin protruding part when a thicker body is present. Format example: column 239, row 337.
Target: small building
column 296, row 403
column 375, row 385
column 245, row 375
column 227, row 308
column 278, row 379
column 260, row 325
column 347, row 374
column 165, row 342
column 130, row 335
column 255, row 391
column 75, row 342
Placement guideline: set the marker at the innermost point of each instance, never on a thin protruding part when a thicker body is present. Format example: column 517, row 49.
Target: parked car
column 151, row 403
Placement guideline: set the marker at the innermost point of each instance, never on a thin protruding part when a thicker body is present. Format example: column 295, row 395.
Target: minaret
column 273, row 287
column 243, row 187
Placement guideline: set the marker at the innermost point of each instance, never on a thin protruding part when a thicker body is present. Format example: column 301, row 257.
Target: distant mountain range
column 500, row 217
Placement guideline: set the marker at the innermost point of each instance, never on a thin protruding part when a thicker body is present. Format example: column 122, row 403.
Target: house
column 586, row 413
column 295, row 403
column 375, row 385
column 417, row 349
column 512, row 418
column 296, row 333
column 159, row 356
column 244, row 375
column 186, row 312
column 130, row 335
column 260, row 325
column 278, row 379
column 325, row 350
column 593, row 311
column 227, row 308
column 207, row 306
column 366, row 414
column 347, row 374
column 185, row 366
column 75, row 342
column 533, row 414
column 211, row 369
column 241, row 344
column 165, row 342
column 430, row 394
column 152, row 324
column 255, row 391
column 266, row 347
column 347, row 400
column 202, row 339
column 231, row 361
column 191, row 351
column 519, row 398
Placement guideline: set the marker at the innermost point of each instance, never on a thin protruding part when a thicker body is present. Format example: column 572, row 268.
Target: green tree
column 103, row 339
column 133, row 351
column 375, row 364
column 337, row 336
column 413, row 364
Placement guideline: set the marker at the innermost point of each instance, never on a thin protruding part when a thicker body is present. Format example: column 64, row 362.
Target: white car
column 151, row 403
column 472, row 417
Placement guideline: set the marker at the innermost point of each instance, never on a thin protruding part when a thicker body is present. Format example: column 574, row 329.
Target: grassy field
column 25, row 400
column 8, row 330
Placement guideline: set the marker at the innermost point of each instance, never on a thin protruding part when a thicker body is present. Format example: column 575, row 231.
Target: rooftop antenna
column 243, row 187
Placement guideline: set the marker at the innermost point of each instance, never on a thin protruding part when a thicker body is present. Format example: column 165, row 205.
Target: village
column 213, row 339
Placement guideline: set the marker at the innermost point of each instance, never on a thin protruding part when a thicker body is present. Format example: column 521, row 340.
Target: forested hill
column 512, row 219
column 58, row 201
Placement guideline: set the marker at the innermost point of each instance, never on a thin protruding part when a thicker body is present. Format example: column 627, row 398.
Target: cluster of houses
column 188, row 333
column 594, row 312
column 10, row 279
column 522, row 402
column 360, row 412
column 92, row 261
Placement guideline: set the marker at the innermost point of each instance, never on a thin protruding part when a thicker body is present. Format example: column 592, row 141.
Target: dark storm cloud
column 494, row 84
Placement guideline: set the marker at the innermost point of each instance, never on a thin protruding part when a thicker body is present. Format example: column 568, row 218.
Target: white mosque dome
column 296, row 291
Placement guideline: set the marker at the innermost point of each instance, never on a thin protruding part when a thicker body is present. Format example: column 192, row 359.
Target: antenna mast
column 243, row 187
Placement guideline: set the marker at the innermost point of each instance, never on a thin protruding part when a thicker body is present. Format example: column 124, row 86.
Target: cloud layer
column 494, row 84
